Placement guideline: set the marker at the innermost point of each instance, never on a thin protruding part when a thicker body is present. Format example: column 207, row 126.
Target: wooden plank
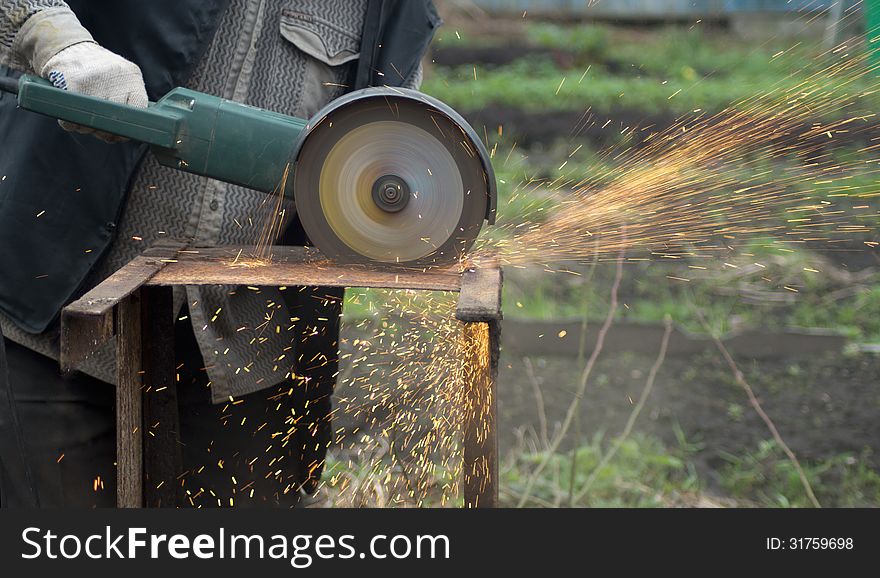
column 161, row 419
column 295, row 266
column 81, row 335
column 129, row 449
column 480, row 298
column 87, row 323
column 479, row 307
column 480, row 467
column 141, row 321
column 125, row 281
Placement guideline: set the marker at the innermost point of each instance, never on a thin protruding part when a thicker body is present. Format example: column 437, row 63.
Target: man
column 73, row 209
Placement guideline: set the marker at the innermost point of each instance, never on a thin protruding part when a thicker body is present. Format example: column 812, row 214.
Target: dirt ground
column 824, row 405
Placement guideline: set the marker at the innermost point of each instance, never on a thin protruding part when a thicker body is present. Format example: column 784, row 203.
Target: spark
column 688, row 187
column 699, row 189
column 558, row 88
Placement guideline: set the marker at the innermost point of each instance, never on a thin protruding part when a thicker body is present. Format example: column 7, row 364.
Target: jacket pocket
column 327, row 31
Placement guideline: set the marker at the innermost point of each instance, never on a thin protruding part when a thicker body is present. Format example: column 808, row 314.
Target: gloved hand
column 88, row 68
column 61, row 50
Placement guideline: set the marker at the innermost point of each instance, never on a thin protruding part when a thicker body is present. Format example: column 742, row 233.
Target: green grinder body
column 187, row 130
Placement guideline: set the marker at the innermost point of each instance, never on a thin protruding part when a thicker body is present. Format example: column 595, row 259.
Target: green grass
column 539, row 86
column 857, row 316
column 646, row 473
column 767, row 478
column 648, row 295
column 363, row 303
column 586, row 41
column 692, row 54
column 643, row 474
column 822, row 300
column 675, row 71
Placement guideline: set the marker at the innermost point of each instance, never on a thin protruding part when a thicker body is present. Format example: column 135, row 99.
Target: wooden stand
column 135, row 304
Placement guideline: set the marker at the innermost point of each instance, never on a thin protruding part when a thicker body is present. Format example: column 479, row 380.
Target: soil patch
column 824, row 404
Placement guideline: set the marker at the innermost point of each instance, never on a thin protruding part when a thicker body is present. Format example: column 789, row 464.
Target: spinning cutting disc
column 389, row 177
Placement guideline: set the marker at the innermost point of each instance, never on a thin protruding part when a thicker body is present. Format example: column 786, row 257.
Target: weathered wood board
column 134, row 305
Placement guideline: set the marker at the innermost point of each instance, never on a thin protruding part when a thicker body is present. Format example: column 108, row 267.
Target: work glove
column 61, row 50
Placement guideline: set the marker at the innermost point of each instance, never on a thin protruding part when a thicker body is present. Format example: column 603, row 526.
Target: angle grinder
column 380, row 176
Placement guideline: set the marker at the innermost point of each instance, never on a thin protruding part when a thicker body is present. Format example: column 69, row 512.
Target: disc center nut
column 391, row 193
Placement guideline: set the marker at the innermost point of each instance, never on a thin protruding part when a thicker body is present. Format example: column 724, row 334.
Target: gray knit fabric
column 243, row 334
column 13, row 14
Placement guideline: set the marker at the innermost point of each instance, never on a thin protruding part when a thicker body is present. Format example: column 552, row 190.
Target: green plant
column 768, row 478
column 675, row 71
column 644, row 473
column 586, row 41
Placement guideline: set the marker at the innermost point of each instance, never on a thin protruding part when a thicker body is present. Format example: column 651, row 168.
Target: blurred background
column 553, row 85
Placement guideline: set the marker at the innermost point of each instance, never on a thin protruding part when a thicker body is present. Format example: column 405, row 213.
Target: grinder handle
column 188, row 130
column 153, row 125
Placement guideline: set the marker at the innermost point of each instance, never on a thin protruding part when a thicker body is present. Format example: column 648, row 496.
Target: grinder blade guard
column 392, row 176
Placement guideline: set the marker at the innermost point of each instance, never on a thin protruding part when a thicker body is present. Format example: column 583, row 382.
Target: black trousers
column 233, row 454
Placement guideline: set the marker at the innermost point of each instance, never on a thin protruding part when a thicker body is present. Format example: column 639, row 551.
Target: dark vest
column 78, row 184
column 395, row 37
column 79, row 181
